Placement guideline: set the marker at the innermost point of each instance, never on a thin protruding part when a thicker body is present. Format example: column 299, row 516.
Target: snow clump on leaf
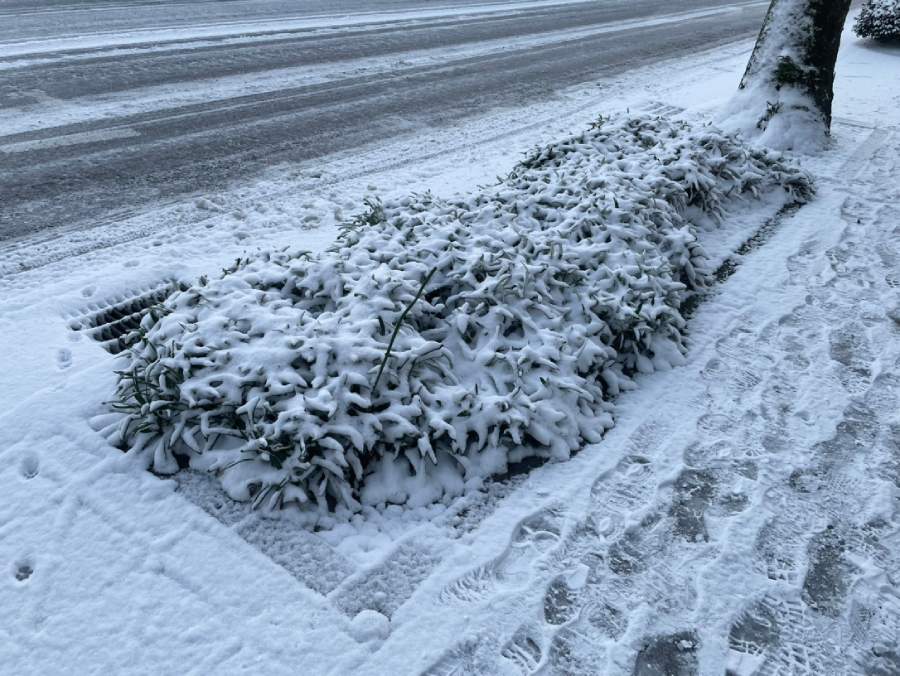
column 440, row 339
column 879, row 19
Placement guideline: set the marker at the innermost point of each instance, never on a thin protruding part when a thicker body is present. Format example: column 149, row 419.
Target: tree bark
column 789, row 79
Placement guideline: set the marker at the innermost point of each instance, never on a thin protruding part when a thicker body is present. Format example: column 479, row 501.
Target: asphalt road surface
column 108, row 106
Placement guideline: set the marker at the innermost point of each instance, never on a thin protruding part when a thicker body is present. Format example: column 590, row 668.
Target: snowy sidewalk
column 746, row 516
column 742, row 514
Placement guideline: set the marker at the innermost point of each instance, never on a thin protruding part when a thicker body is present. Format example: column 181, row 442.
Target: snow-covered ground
column 742, row 514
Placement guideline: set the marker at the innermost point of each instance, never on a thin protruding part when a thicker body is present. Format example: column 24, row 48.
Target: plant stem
column 405, row 312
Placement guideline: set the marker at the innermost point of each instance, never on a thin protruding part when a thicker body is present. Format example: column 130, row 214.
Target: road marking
column 70, row 140
column 40, row 96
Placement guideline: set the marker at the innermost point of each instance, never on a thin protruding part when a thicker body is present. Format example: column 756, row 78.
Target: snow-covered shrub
column 439, row 339
column 879, row 19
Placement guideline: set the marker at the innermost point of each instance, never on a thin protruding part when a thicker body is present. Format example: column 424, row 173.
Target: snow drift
column 440, row 339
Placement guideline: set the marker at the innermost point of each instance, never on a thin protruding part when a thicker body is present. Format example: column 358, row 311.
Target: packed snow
column 741, row 514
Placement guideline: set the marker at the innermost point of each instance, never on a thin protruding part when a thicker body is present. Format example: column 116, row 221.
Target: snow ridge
column 441, row 339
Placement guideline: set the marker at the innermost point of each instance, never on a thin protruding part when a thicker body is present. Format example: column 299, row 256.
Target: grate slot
column 112, row 323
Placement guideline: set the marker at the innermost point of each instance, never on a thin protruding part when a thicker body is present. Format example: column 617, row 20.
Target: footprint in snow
column 63, row 358
column 22, row 570
column 29, row 466
column 673, row 655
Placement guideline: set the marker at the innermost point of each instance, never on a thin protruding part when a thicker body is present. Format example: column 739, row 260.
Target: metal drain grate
column 112, row 322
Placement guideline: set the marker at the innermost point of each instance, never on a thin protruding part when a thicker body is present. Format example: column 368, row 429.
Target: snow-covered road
column 106, row 109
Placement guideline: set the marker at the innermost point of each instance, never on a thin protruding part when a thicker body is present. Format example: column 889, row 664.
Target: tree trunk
column 788, row 84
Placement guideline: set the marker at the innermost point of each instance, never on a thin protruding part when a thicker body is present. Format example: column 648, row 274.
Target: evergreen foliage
column 879, row 19
column 440, row 339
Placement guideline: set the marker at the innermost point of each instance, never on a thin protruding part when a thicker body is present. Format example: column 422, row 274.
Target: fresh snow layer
column 742, row 513
column 503, row 323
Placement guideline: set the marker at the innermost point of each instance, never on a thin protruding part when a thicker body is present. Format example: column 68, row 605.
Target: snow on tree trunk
column 785, row 95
